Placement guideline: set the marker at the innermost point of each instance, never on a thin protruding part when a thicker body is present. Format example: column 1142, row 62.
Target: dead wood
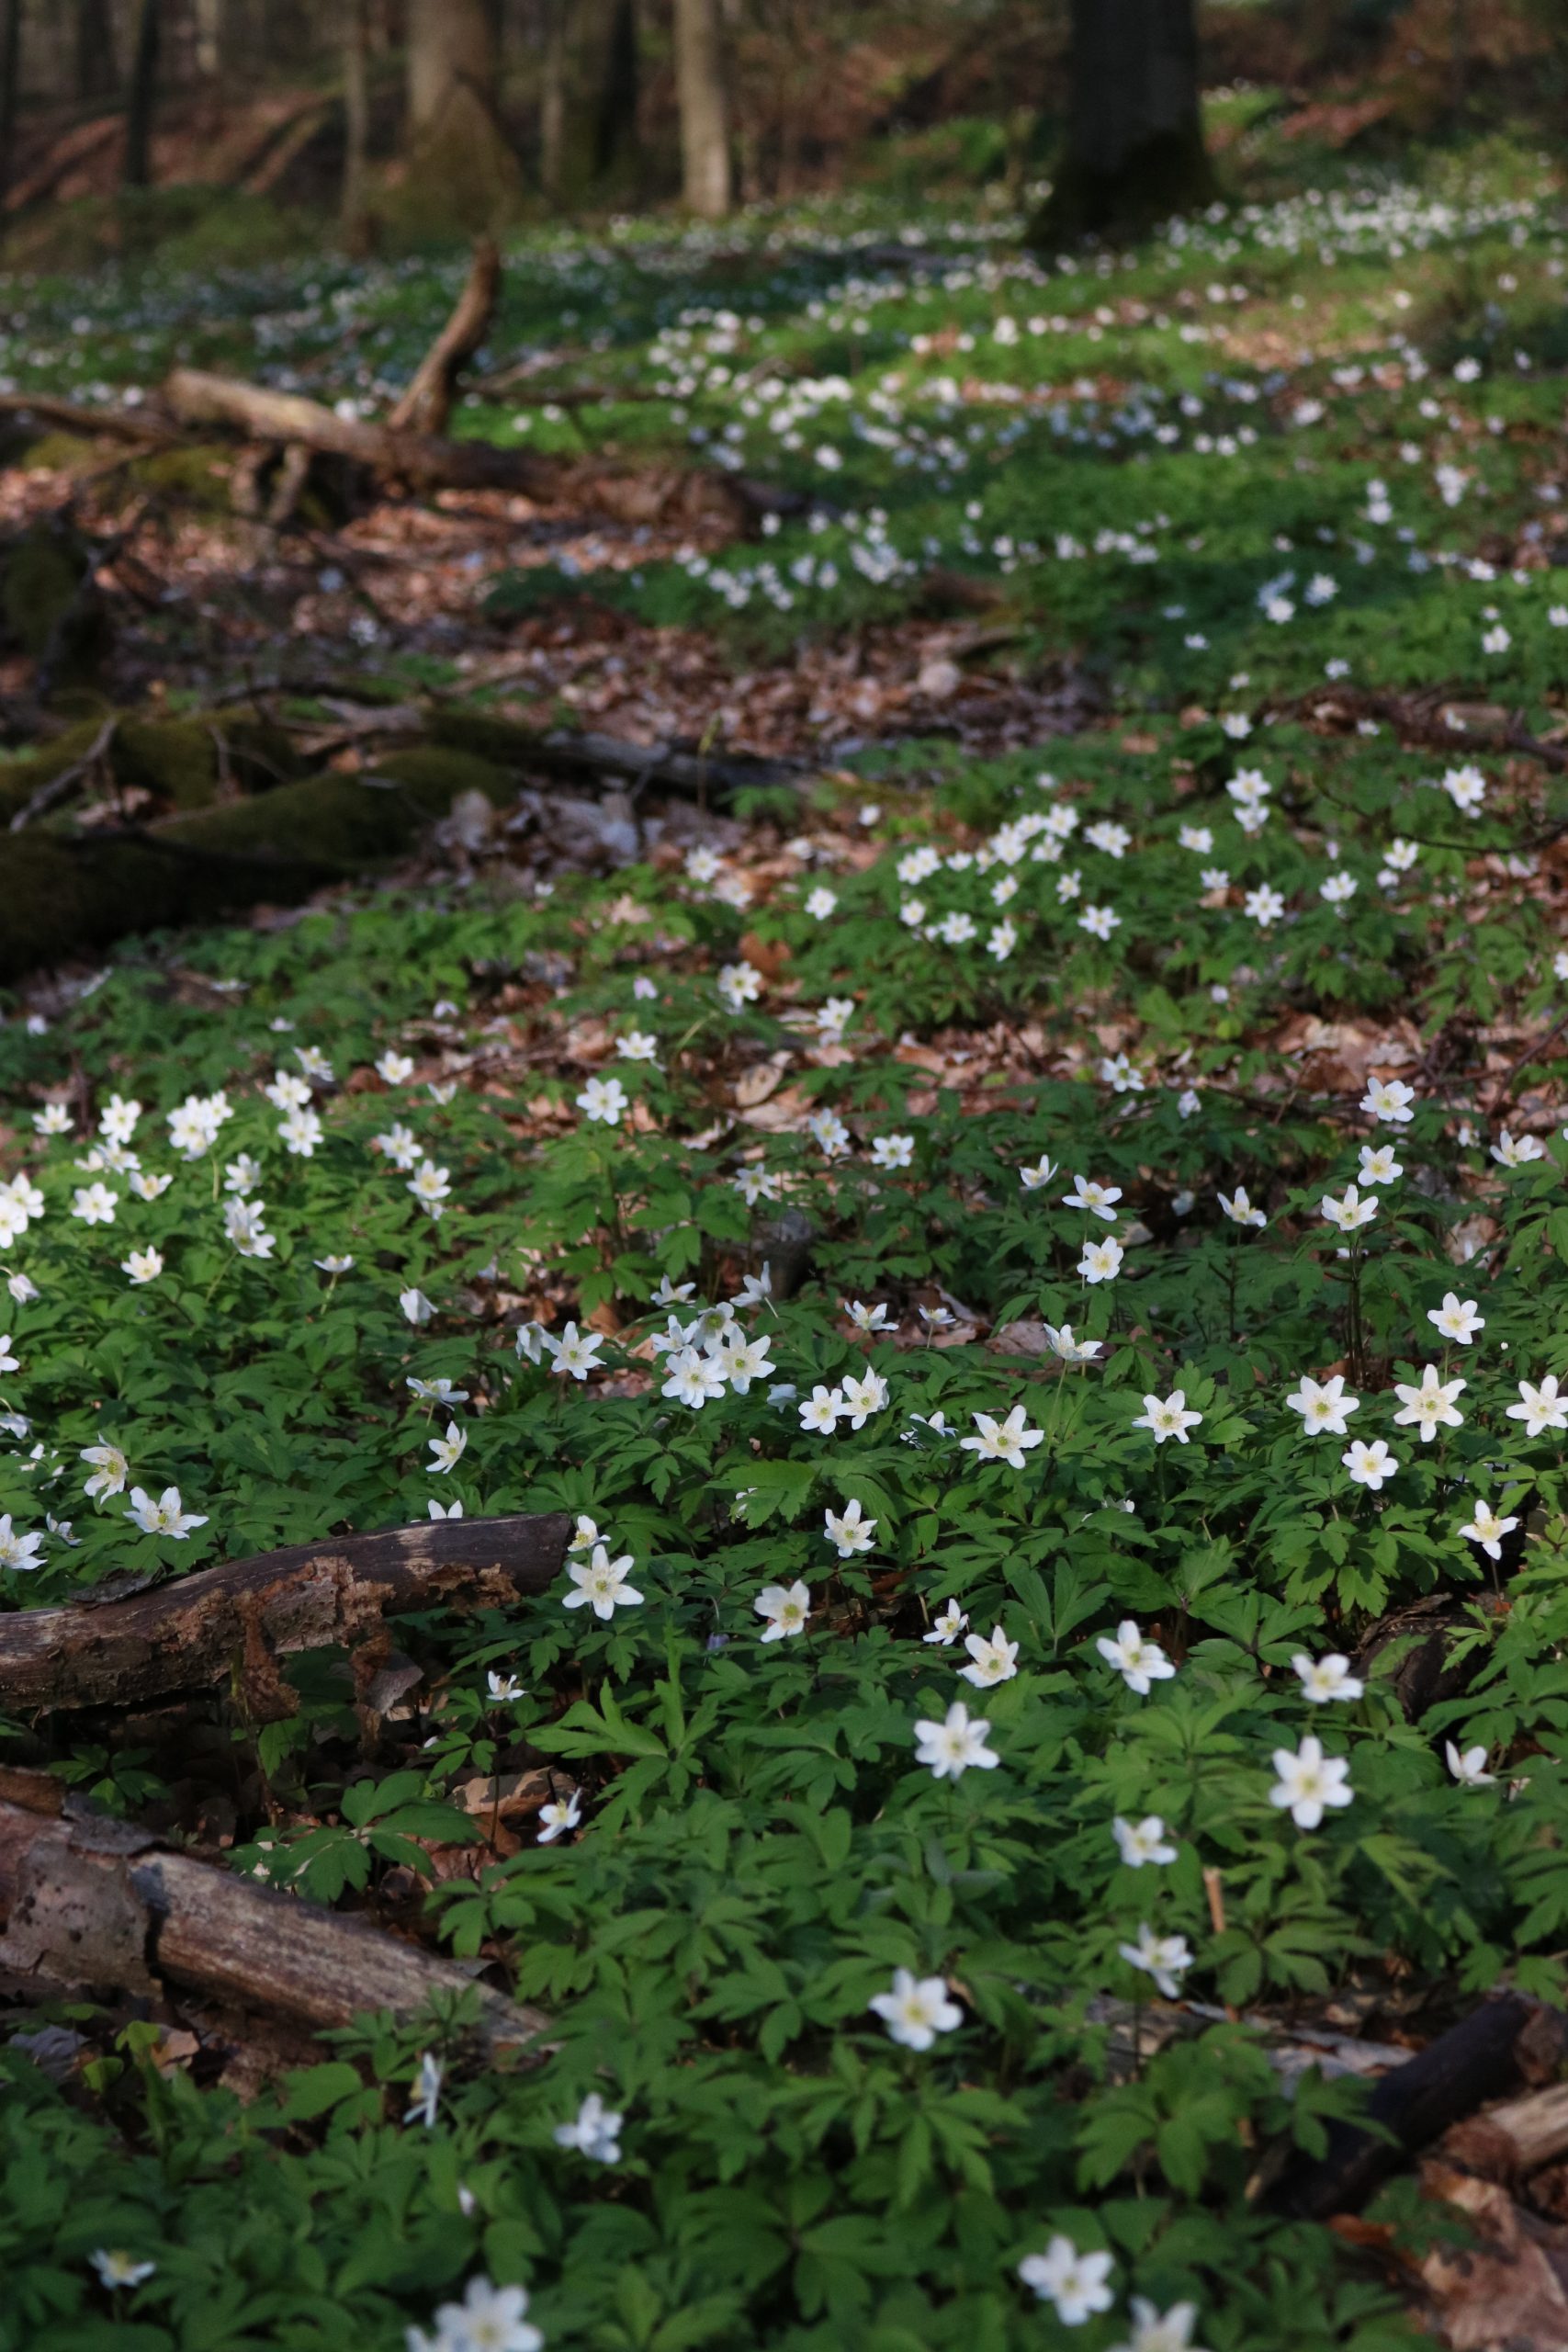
column 589, row 759
column 90, row 1903
column 240, row 1617
column 140, row 425
column 427, row 404
column 58, row 786
column 1514, row 2137
column 1482, row 2057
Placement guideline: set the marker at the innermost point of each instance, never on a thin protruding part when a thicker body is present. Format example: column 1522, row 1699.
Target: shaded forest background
column 236, row 129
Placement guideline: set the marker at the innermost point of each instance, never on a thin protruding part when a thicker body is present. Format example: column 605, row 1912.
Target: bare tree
column 142, row 96
column 552, row 101
column 1134, row 146
column 356, row 212
column 460, row 153
column 96, row 70
column 705, row 111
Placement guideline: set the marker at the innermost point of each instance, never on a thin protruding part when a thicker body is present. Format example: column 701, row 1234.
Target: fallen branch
column 427, row 404
column 245, row 1615
column 90, row 1903
column 1409, row 2107
column 1515, row 2137
column 600, row 759
column 143, row 424
column 47, row 794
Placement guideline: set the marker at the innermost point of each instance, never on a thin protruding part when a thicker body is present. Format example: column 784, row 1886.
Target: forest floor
column 990, row 1219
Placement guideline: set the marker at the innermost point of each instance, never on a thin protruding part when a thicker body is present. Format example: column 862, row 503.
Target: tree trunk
column 10, row 70
column 615, row 125
column 1134, row 146
column 552, row 102
column 705, row 116
column 355, row 213
column 461, row 166
column 142, row 96
column 97, row 72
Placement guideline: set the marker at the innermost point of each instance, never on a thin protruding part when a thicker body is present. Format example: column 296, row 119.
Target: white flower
column 1378, row 1165
column 604, row 1099
column 431, row 1186
column 917, row 2010
column 1006, row 1440
column 1369, row 1465
column 164, row 1516
column 863, row 1398
column 692, row 1377
column 110, row 1469
column 595, row 2131
column 489, row 2319
column 445, row 1452
column 17, row 1550
column 1061, row 1342
column 575, row 1353
column 820, row 903
column 116, row 2269
column 243, row 1225
column 1511, row 1152
column 1074, row 2283
column 54, row 1119
column 1457, row 1319
column 1167, row 1416
column 1098, row 1199
column 1308, row 1781
column 1326, row 1678
column 993, row 1661
column 786, row 1607
column 638, row 1045
column 445, row 1510
column 1239, row 1208
column 1349, row 1213
column 1431, row 1406
column 1469, row 1769
column 301, row 1132
column 739, row 984
column 1101, row 1261
column 1542, row 1408
column 394, row 1069
column 1143, row 1842
column 415, row 1306
column 426, row 2092
column 142, row 1266
column 556, row 1819
column 503, row 1688
column 1265, row 905
column 950, row 1747
column 1323, row 1405
column 822, row 1409
column 1488, row 1530
column 1137, row 1661
column 339, row 1264
column 946, row 1628
column 602, row 1586
column 1388, row 1099
column 1100, row 921
column 1154, row 2330
column 893, row 1151
column 1164, row 1958
column 1043, row 1173
column 848, row 1532
column 94, row 1205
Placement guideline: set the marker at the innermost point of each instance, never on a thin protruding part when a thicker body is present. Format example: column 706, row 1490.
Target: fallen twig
column 242, row 1616
column 59, row 785
column 427, row 404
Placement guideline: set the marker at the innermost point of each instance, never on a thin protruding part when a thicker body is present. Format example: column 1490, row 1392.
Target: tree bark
column 704, row 113
column 552, row 101
column 355, row 206
column 96, row 70
column 1134, row 148
column 10, row 71
column 240, row 1617
column 93, row 1904
column 461, row 164
column 142, row 96
column 209, row 38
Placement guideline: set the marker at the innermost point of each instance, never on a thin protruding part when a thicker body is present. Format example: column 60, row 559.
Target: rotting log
column 240, row 1618
column 1514, row 2137
column 88, row 1903
column 1411, row 2106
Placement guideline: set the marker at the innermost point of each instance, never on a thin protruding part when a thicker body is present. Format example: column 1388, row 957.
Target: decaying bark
column 88, row 1903
column 1476, row 2060
column 427, row 404
column 242, row 1617
column 1515, row 2136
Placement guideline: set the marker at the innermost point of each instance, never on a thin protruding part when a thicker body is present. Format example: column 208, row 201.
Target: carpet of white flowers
column 1037, row 1277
